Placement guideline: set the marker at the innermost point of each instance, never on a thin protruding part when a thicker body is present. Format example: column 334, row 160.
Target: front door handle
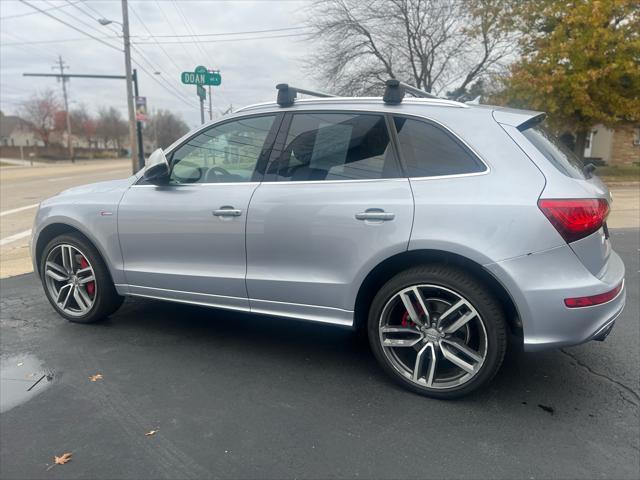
column 375, row 214
column 227, row 211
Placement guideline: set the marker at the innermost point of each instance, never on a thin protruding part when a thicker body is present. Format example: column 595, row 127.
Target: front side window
column 225, row 153
column 335, row 146
column 430, row 151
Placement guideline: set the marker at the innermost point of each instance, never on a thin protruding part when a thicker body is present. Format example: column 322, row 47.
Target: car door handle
column 227, row 211
column 376, row 214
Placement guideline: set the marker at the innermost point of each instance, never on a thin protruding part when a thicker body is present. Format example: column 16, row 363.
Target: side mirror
column 157, row 168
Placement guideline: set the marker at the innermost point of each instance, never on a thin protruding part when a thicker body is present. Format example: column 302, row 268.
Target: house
column 617, row 146
column 15, row 132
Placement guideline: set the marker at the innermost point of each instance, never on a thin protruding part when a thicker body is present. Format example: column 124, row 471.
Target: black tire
column 106, row 300
column 464, row 284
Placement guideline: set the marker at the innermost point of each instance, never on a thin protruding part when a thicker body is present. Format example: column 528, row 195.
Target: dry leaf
column 63, row 459
column 96, row 377
column 151, row 432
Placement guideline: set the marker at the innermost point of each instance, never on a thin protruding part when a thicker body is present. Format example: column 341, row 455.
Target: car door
column 186, row 240
column 333, row 204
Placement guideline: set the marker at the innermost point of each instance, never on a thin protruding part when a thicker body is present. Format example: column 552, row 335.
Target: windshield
column 556, row 152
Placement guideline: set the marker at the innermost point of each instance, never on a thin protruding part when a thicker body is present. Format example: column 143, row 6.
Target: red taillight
column 575, row 218
column 593, row 299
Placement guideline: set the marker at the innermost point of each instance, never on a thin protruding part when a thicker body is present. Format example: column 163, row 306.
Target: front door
column 332, row 205
column 186, row 240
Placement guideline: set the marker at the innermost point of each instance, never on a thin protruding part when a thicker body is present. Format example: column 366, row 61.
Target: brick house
column 618, row 146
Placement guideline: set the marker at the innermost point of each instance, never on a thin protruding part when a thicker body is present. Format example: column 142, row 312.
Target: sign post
column 201, row 77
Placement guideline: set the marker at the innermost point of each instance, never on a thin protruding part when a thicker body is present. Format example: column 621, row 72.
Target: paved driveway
column 239, row 396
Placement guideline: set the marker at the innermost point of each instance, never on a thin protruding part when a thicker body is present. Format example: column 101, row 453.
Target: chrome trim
column 301, row 305
column 324, row 182
column 440, row 102
column 190, row 302
column 183, row 185
column 126, row 285
column 457, row 175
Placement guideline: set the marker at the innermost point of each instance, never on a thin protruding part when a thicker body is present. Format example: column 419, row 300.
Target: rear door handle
column 375, row 214
column 227, row 211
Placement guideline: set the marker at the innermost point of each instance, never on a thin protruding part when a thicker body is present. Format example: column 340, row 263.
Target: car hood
column 99, row 187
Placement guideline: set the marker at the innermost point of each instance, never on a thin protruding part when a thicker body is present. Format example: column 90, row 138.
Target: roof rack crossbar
column 395, row 90
column 287, row 94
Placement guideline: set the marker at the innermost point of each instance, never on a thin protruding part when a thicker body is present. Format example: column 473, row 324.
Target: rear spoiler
column 521, row 119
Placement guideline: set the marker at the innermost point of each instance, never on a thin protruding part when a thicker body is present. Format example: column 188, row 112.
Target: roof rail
column 395, row 90
column 288, row 94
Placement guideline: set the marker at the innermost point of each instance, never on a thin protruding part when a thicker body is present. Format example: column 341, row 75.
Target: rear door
column 333, row 204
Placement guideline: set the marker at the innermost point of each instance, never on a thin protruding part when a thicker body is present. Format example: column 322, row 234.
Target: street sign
column 202, row 93
column 141, row 109
column 201, row 76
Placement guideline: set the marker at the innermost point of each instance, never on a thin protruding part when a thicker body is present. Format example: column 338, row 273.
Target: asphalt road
column 240, row 396
column 22, row 188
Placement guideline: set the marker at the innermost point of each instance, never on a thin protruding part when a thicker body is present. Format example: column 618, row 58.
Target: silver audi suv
column 443, row 230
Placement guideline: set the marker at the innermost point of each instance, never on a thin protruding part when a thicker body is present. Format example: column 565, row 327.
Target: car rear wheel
column 76, row 280
column 436, row 330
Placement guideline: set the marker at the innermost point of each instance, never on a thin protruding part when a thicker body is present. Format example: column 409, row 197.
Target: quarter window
column 225, row 153
column 332, row 146
column 431, row 151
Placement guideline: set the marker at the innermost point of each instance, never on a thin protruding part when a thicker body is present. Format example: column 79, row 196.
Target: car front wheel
column 76, row 280
column 438, row 331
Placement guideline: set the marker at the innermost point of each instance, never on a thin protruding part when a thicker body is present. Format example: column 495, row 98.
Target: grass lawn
column 619, row 173
column 5, row 164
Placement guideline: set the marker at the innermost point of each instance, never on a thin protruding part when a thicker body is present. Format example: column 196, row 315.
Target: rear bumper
column 539, row 283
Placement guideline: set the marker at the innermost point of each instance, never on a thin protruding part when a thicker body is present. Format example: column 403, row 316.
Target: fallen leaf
column 151, row 432
column 96, row 377
column 63, row 459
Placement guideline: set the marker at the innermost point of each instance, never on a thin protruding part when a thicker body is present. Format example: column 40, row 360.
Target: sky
column 168, row 36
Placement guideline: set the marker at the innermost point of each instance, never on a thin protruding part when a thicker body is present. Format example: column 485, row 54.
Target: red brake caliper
column 406, row 321
column 90, row 286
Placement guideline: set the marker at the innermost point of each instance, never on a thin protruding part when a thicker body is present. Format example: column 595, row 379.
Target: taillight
column 575, row 218
column 592, row 300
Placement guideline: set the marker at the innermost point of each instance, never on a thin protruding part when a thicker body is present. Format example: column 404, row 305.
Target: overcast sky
column 250, row 63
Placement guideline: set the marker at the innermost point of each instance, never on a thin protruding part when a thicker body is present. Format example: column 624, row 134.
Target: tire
column 83, row 293
column 465, row 331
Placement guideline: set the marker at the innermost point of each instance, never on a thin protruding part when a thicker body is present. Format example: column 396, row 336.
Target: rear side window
column 556, row 152
column 333, row 146
column 430, row 151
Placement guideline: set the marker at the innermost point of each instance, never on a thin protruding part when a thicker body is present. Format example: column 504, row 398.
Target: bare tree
column 40, row 111
column 110, row 127
column 165, row 128
column 83, row 124
column 436, row 45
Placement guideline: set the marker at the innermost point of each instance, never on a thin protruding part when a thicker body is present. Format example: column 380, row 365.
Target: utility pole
column 138, row 123
column 135, row 162
column 61, row 66
column 210, row 105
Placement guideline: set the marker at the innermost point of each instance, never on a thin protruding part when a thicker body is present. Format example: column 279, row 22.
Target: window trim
column 455, row 137
column 261, row 163
column 281, row 141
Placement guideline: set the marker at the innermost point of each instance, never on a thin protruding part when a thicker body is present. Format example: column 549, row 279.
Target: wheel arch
column 56, row 229
column 395, row 264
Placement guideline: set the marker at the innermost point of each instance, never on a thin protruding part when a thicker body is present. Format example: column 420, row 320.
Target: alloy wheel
column 433, row 336
column 70, row 280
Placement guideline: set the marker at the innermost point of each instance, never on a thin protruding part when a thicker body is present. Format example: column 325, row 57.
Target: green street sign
column 201, row 76
column 202, row 93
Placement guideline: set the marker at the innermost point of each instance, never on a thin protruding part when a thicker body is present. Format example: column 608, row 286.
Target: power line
column 227, row 39
column 166, row 85
column 195, row 61
column 71, row 26
column 78, row 20
column 26, row 14
column 191, row 30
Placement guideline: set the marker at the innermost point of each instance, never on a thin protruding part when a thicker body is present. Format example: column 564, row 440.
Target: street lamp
column 136, row 163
